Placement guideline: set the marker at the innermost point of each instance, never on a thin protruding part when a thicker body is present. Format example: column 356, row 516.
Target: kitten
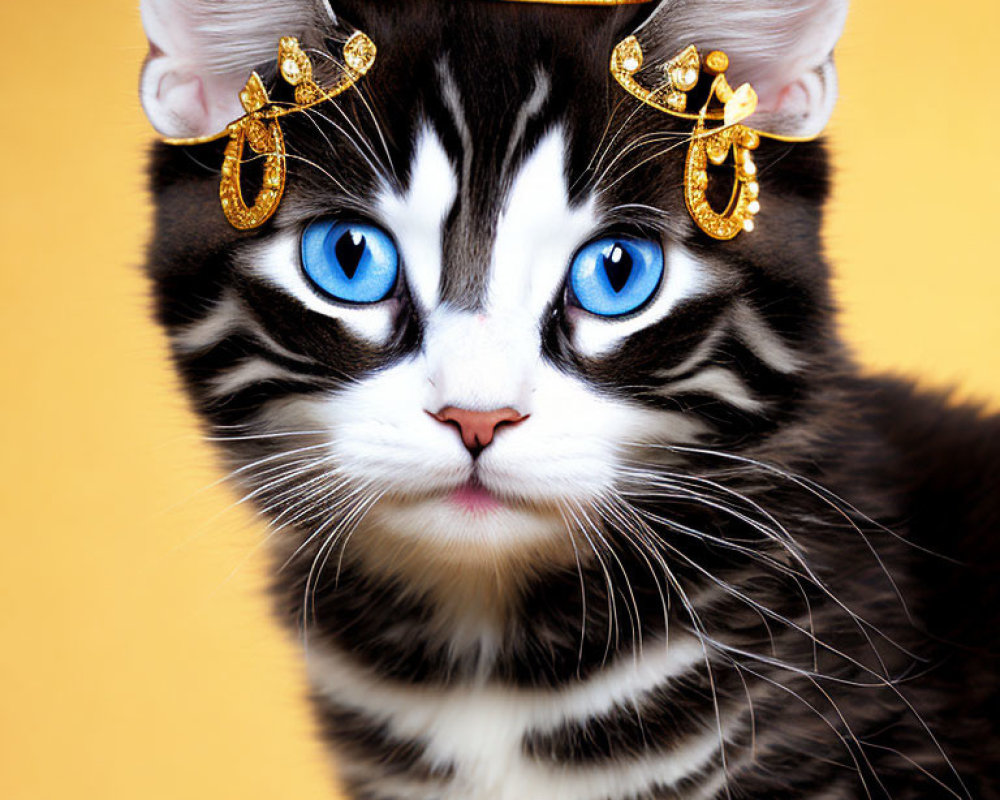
column 570, row 501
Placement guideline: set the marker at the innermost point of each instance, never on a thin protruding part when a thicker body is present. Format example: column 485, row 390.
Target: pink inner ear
column 181, row 103
column 793, row 100
column 201, row 53
column 221, row 99
column 184, row 96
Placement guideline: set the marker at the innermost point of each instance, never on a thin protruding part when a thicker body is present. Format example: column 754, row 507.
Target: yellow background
column 137, row 657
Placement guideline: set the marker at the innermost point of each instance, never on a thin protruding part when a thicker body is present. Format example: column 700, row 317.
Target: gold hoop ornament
column 709, row 145
column 260, row 127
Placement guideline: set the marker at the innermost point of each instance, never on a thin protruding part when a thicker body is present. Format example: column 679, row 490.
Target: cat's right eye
column 353, row 262
column 616, row 276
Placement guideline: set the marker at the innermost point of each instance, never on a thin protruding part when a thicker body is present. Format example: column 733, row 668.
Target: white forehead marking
column 531, row 107
column 683, row 278
column 452, row 98
column 415, row 218
column 537, row 232
column 276, row 261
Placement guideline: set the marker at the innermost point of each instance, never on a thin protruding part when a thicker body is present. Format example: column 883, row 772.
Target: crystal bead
column 290, row 69
column 631, row 63
column 677, row 101
column 754, row 207
column 749, row 225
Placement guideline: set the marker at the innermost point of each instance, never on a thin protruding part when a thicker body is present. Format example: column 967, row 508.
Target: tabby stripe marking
column 620, row 780
column 221, row 320
column 762, row 341
column 717, row 382
column 415, row 710
column 701, row 353
column 657, row 725
column 373, row 744
column 227, row 317
column 247, row 373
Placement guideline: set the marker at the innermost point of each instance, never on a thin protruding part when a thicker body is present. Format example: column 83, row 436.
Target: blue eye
column 615, row 276
column 355, row 262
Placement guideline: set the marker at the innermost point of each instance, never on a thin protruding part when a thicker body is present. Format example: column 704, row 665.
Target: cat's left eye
column 353, row 262
column 615, row 276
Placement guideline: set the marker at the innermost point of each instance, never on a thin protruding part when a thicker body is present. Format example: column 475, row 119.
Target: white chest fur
column 479, row 729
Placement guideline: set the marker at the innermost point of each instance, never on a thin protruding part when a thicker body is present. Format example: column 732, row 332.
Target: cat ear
column 201, row 53
column 783, row 48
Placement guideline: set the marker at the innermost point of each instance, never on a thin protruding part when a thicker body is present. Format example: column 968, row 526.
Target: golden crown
column 718, row 132
column 585, row 2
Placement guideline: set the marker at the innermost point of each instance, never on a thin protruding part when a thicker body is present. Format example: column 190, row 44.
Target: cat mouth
column 474, row 498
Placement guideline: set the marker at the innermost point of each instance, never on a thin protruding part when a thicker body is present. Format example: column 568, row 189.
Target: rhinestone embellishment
column 729, row 141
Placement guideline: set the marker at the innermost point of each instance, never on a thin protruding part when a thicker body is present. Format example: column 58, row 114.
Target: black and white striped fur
column 728, row 565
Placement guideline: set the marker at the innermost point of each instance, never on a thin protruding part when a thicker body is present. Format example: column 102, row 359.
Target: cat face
column 482, row 309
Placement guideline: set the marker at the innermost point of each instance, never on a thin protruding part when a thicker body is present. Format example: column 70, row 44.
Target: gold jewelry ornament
column 584, row 2
column 709, row 144
column 260, row 126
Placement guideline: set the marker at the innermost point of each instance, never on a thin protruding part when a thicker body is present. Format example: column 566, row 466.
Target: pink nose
column 478, row 427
